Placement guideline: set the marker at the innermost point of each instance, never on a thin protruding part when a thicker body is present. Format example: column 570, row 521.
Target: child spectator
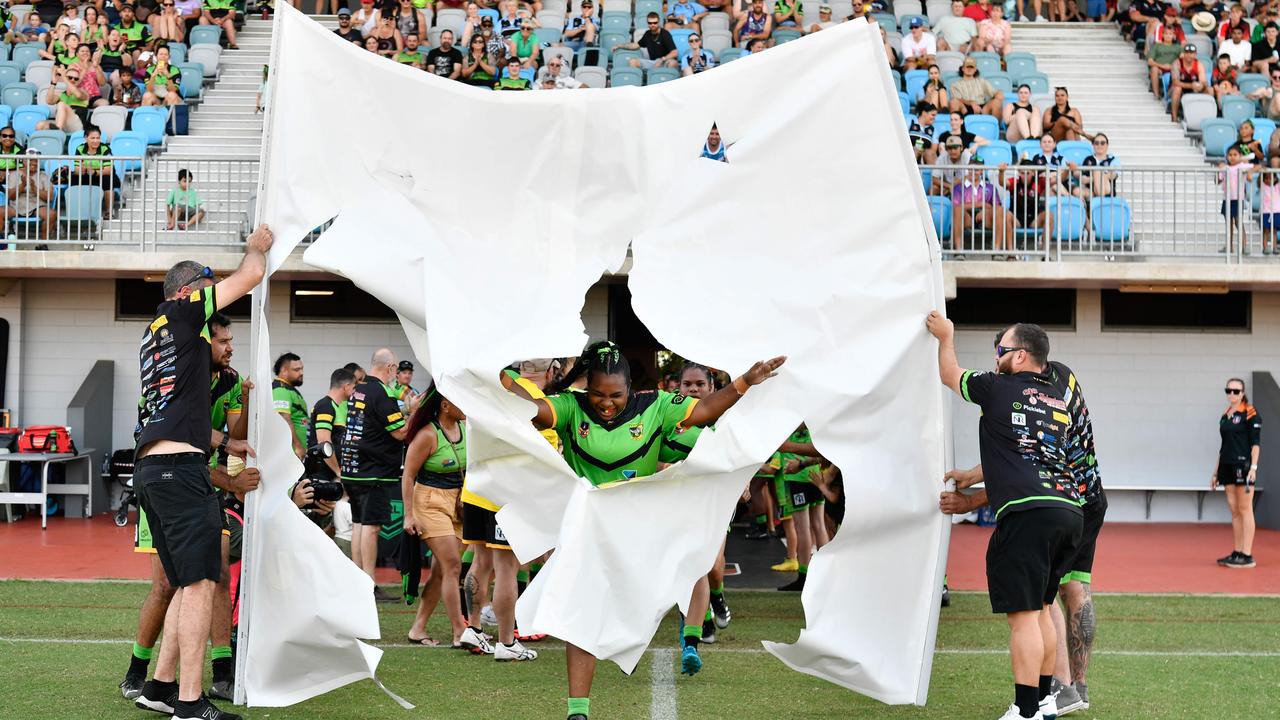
column 1234, row 176
column 183, row 207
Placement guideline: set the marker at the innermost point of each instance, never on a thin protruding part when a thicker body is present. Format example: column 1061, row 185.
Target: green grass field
column 1217, row 657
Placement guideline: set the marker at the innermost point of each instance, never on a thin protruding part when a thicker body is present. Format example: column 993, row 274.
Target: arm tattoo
column 1081, row 628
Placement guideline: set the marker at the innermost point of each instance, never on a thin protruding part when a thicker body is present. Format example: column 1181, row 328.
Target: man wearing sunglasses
column 1031, row 437
column 173, row 439
column 659, row 46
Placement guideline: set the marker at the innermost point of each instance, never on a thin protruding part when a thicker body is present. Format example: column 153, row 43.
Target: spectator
column 685, row 14
column 62, row 51
column 163, row 80
column 1238, row 50
column 724, row 6
column 1169, row 23
column 755, row 24
column 891, row 52
column 91, row 76
column 1250, row 149
column 10, row 151
column 956, row 30
column 1188, row 75
column 366, row 18
column 697, row 59
column 183, row 208
column 995, row 34
column 345, row 29
column 412, row 53
column 1225, row 88
column 1070, row 12
column 189, row 14
column 167, row 24
column 1270, row 14
column 1235, row 16
column 1021, row 117
column 508, row 18
column 1270, row 191
column 934, row 91
column 288, row 402
column 92, row 167
column 1225, row 70
column 356, row 370
column 1233, row 175
column 223, row 14
column 446, row 60
column 390, row 41
column 921, row 133
column 33, row 31
column 70, row 102
column 1048, row 155
column 918, row 47
column 494, row 44
column 478, row 67
column 973, row 95
column 970, row 141
column 470, row 23
column 95, row 27
column 1028, row 193
column 524, row 45
column 30, row 194
column 658, row 44
column 581, row 29
column 824, row 19
column 1141, row 14
column 714, row 148
column 1266, row 54
column 409, row 19
column 787, row 13
column 116, row 63
column 979, row 11
column 371, row 44
column 511, row 79
column 948, row 169
column 1098, row 182
column 402, row 386
column 1271, row 93
column 1161, row 57
column 976, row 206
column 135, row 33
column 71, row 18
column 558, row 75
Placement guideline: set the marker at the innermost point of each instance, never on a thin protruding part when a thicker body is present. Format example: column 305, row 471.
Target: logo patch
column 584, row 429
column 1017, row 406
column 678, row 399
column 628, row 474
column 1018, row 419
column 637, row 431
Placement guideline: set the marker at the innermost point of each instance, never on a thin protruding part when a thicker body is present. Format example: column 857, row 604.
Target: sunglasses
column 7, row 137
column 1234, row 391
column 206, row 273
column 1001, row 350
column 1099, row 142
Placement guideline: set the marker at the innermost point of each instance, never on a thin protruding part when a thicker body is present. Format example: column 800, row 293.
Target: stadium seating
column 128, row 143
column 150, row 121
column 913, row 81
column 1237, row 109
column 609, row 41
column 615, row 22
column 940, row 209
column 208, row 57
column 1020, row 63
column 1068, row 218
column 1111, row 218
column 1027, row 148
column 949, row 61
column 1075, row 150
column 24, row 55
column 729, row 54
column 25, row 118
column 984, row 126
column 591, row 56
column 785, row 35
column 205, row 35
column 564, row 53
column 40, row 73
column 9, row 73
column 1001, row 82
column 191, row 84
column 177, row 53
column 81, row 206
column 995, row 152
column 75, row 140
column 591, row 76
column 1263, row 129
column 623, row 76
column 1196, row 108
column 988, row 62
column 1037, row 81
column 19, row 94
column 660, row 75
column 48, row 142
column 1249, row 82
column 1217, row 134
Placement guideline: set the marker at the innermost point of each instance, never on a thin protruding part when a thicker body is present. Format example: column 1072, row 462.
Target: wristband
column 1253, row 467
column 740, row 385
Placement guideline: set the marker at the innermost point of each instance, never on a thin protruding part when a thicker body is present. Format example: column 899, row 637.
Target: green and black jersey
column 9, row 160
column 445, row 467
column 678, row 443
column 369, row 452
column 623, row 448
column 286, row 399
column 225, row 393
column 135, row 35
column 99, row 160
column 331, row 416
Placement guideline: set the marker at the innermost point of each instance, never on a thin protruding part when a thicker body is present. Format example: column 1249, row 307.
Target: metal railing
column 60, row 201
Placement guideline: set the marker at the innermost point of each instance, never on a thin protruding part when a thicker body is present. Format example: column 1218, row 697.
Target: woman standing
column 599, row 429
column 1241, row 430
column 434, row 466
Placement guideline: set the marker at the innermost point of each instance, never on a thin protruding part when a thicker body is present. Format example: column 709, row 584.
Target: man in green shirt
column 1160, row 59
column 411, row 54
column 223, row 14
column 511, row 80
column 288, row 402
column 136, row 34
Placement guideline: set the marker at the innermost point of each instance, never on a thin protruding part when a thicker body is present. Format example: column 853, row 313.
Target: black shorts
column 1233, row 475
column 1028, row 554
column 370, row 501
column 184, row 514
column 233, row 520
column 480, row 527
column 1081, row 567
column 219, row 14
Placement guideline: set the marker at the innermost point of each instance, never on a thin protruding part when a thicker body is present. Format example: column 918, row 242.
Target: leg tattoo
column 1081, row 627
column 470, row 587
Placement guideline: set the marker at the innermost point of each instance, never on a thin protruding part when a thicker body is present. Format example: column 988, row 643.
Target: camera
column 314, row 468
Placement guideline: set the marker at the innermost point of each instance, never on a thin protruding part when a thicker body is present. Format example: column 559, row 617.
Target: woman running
column 599, row 428
column 434, row 466
column 1241, row 430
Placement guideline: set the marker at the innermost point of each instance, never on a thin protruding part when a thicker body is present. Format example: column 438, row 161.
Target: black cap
column 405, row 365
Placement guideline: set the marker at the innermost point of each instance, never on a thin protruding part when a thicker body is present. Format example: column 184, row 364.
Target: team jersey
column 174, row 363
column 225, row 392
column 512, row 83
column 286, row 399
column 135, row 35
column 1023, row 438
column 801, row 435
column 678, row 443
column 410, row 58
column 623, row 448
column 1240, row 431
column 331, row 416
column 1081, row 454
column 368, row 450
column 445, row 467
column 717, row 154
column 99, row 160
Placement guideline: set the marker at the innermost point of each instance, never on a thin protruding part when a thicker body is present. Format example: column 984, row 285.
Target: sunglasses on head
column 1234, row 391
column 205, row 273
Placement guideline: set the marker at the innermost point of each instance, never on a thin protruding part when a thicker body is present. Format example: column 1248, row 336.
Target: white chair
column 451, row 18
column 717, row 21
column 551, row 18
column 949, row 61
column 912, row 7
column 1044, row 101
column 617, row 6
column 591, row 76
column 841, row 9
column 209, row 56
column 1196, row 108
column 935, row 9
column 564, row 53
column 42, row 96
column 110, row 119
column 40, row 72
column 717, row 41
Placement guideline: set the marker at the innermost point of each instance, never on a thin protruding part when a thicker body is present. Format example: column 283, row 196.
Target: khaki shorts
column 436, row 511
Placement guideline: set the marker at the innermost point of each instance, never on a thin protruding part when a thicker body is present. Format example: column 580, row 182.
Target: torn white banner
column 482, row 219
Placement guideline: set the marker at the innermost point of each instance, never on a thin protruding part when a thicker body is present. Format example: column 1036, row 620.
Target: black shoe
column 131, row 686
column 202, row 709
column 758, row 533
column 946, row 596
column 794, row 586
column 158, row 696
column 720, row 610
column 223, row 690
column 1241, row 561
column 383, row 597
column 1227, row 560
column 708, row 631
column 577, row 716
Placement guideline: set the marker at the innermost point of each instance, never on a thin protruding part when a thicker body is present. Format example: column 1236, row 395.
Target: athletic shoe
column 720, row 611
column 1049, row 707
column 383, row 597
column 1240, row 561
column 708, row 631
column 946, row 596
column 515, row 652
column 788, row 565
column 1014, row 714
column 794, row 586
column 577, row 716
column 1083, row 690
column 223, row 690
column 1068, row 700
column 131, row 686
column 487, row 618
column 1229, row 558
column 202, row 709
column 475, row 641
column 690, row 661
column 536, row 637
column 158, row 696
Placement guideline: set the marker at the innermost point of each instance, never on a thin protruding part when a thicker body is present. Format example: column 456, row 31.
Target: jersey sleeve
column 280, row 400
column 198, row 308
column 322, row 416
column 388, row 412
column 234, row 404
column 675, row 409
column 563, row 408
column 1255, row 428
column 975, row 387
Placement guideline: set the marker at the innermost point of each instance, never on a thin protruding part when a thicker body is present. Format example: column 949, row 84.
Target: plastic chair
column 885, row 20
column 81, row 205
column 988, row 62
column 9, row 73
column 996, row 152
column 150, row 121
column 615, row 22
column 913, row 81
column 565, row 54
column 191, row 83
column 1237, row 109
column 1019, row 63
column 1263, row 129
column 1075, row 150
column 40, row 73
column 714, row 22
column 1028, row 147
column 75, row 140
column 729, row 54
column 681, row 36
column 941, row 124
column 453, row 18
column 718, row 41
column 1037, row 81
column 549, row 36
column 1111, row 218
column 949, row 61
column 6, row 113
column 624, row 76
column 644, row 7
column 1249, row 82
column 983, row 126
column 19, row 94
column 1068, row 218
column 128, row 143
column 48, row 142
column 940, row 209
column 1001, row 82
column 208, row 57
column 660, row 75
column 24, row 55
column 785, row 35
column 205, row 35
column 609, row 41
column 1217, row 134
column 589, row 56
column 26, row 117
column 1196, row 108
column 905, row 102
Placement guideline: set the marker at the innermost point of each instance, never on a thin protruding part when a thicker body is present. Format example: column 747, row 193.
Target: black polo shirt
column 368, row 450
column 1023, row 440
column 658, row 46
column 174, row 364
column 1240, row 431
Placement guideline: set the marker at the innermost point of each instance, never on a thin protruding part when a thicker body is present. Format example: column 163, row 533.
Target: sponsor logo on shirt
column 637, row 431
column 1018, row 419
column 629, row 474
column 584, row 429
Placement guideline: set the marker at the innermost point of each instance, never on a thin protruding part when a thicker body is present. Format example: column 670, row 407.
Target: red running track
column 1132, row 557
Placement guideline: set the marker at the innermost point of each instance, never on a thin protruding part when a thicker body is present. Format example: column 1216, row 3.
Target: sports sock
column 467, row 556
column 692, row 635
column 1046, row 683
column 139, row 660
column 580, row 706
column 762, row 520
column 223, row 667
column 804, row 569
column 718, row 590
column 1025, row 697
column 708, row 616
column 534, row 569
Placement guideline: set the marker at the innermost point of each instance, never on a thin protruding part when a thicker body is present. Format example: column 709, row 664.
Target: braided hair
column 599, row 358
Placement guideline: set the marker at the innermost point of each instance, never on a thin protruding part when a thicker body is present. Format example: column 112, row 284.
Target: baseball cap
column 954, row 141
column 486, row 20
column 915, row 23
column 404, row 365
column 1189, row 48
column 824, row 8
column 344, row 11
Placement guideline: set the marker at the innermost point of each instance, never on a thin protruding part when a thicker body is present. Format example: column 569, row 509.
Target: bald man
column 370, row 458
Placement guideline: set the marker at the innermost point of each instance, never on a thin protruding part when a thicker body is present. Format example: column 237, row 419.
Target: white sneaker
column 1013, row 714
column 487, row 617
column 1049, row 707
column 1023, row 18
column 515, row 652
column 476, row 642
column 1041, row 19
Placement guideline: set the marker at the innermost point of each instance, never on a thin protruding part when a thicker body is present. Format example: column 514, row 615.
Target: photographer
column 329, row 415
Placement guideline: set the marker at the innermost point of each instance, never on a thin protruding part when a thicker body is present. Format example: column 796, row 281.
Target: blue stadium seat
column 549, row 36
column 177, row 52
column 150, row 121
column 24, row 55
column 48, row 142
column 623, row 76
column 1038, row 81
column 1001, row 82
column 995, row 152
column 1237, row 109
column 941, row 124
column 1019, row 63
column 1217, row 134
column 81, row 205
column 681, row 36
column 988, row 62
column 19, row 94
column 589, row 56
column 205, row 35
column 1075, row 150
column 1249, row 82
column 886, row 21
column 10, row 73
column 905, row 102
column 1262, row 130
column 615, row 22
column 785, row 35
column 1028, row 147
column 6, row 113
column 192, row 83
column 644, row 7
column 660, row 75
column 940, row 209
column 128, row 143
column 1068, row 218
column 983, row 126
column 622, row 58
column 914, row 79
column 609, row 41
column 4, row 51
column 74, row 141
column 730, row 54
column 1111, row 218
column 897, row 79
column 26, row 117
